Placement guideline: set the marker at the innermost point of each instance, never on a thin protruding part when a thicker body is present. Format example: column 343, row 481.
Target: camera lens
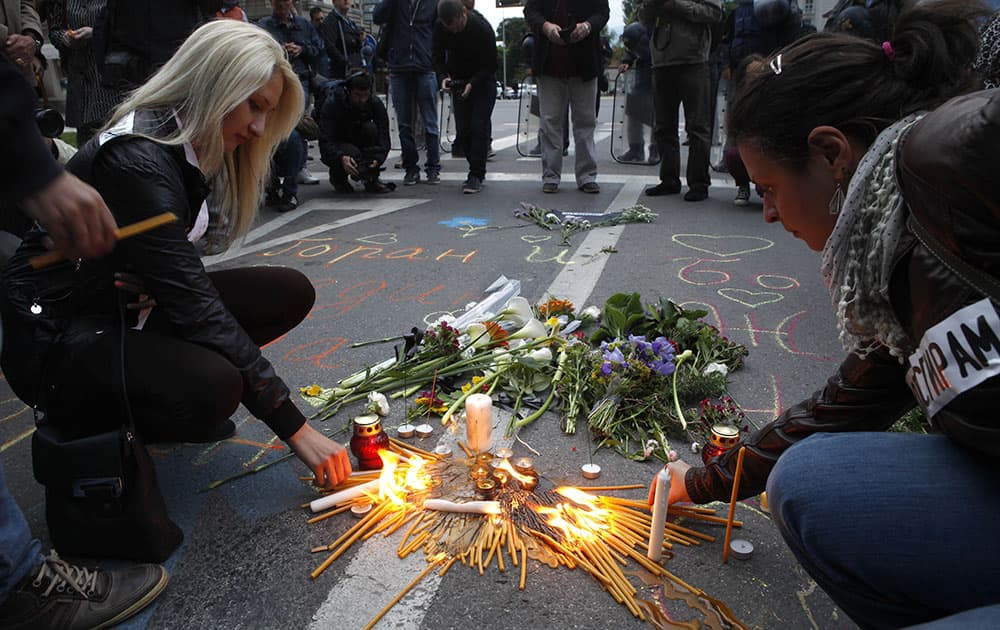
column 50, row 122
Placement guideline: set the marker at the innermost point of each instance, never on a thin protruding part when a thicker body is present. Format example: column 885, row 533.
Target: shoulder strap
column 978, row 280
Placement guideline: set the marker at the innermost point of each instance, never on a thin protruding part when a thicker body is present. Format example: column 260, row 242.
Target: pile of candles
column 487, row 507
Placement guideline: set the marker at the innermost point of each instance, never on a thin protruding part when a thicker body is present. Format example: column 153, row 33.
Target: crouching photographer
column 354, row 134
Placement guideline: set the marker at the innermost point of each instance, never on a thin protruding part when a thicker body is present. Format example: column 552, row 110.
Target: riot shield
column 633, row 118
column 527, row 120
column 717, row 155
column 446, row 121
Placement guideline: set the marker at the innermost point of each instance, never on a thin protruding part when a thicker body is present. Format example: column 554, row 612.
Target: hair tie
column 887, row 49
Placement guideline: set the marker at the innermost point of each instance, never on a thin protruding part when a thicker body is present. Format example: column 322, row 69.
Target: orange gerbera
column 497, row 334
column 554, row 307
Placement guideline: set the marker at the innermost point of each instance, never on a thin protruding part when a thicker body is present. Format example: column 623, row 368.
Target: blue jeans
column 898, row 529
column 288, row 161
column 422, row 87
column 19, row 552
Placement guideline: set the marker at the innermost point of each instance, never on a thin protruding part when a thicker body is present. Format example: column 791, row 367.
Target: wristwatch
column 38, row 40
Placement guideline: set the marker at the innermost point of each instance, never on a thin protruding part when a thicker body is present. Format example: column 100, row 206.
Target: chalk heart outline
column 716, row 245
column 751, row 299
column 533, row 239
column 383, row 238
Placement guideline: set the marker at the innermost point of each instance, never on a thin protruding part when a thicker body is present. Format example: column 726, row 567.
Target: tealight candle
column 424, row 430
column 479, row 422
column 741, row 549
column 359, row 510
column 529, row 482
column 504, row 453
column 443, row 450
column 524, row 464
column 590, row 471
column 405, row 430
column 486, row 488
column 501, row 476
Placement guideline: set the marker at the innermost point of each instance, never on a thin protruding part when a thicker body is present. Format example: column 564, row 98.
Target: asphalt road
column 382, row 264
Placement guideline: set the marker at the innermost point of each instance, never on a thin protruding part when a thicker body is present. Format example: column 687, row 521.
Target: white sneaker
column 306, row 178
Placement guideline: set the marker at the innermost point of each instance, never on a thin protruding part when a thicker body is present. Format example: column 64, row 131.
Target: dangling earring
column 837, row 200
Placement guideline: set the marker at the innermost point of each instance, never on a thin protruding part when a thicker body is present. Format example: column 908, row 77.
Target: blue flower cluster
column 657, row 355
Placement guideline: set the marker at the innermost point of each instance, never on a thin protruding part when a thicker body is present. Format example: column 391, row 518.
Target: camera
column 456, row 85
column 367, row 172
column 564, row 34
column 50, row 122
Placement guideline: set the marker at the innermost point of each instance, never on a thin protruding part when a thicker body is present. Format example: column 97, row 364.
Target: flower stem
column 677, row 368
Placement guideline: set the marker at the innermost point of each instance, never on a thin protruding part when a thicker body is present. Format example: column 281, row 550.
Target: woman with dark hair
column 876, row 155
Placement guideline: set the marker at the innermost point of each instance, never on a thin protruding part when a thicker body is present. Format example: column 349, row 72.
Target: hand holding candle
column 479, row 422
column 661, row 501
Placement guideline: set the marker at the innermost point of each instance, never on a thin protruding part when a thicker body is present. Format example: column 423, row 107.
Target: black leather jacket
column 947, row 167
column 138, row 178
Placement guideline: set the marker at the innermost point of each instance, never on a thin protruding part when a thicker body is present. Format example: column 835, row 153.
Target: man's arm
column 439, row 39
column 703, row 11
column 383, row 13
column 74, row 214
column 29, row 19
column 599, row 18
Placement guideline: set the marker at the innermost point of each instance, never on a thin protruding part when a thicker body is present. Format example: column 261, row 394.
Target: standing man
column 566, row 60
column 341, row 40
column 407, row 28
column 680, row 44
column 302, row 45
column 465, row 58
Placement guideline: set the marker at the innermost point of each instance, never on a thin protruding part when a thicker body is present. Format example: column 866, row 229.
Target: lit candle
column 660, row 504
column 504, row 453
column 479, row 422
column 471, row 507
column 443, row 450
column 524, row 464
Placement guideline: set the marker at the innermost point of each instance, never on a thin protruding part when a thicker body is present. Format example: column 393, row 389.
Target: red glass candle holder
column 367, row 441
column 724, row 437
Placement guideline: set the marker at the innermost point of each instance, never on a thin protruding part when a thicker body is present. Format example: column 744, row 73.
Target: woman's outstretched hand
column 678, row 489
column 327, row 459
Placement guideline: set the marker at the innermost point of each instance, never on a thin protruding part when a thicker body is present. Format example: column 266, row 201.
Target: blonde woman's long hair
column 218, row 67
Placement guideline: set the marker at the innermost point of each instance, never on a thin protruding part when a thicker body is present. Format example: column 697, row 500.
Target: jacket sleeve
column 312, row 44
column 26, row 163
column 382, row 124
column 599, row 18
column 29, row 18
column 382, row 14
column 332, row 37
column 486, row 53
column 534, row 16
column 438, row 51
column 704, row 11
column 329, row 145
column 140, row 179
column 866, row 394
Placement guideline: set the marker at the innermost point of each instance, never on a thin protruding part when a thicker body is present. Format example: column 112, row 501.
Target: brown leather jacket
column 947, row 170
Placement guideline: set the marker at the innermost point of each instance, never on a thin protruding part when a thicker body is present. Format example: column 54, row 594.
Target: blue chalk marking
column 464, row 221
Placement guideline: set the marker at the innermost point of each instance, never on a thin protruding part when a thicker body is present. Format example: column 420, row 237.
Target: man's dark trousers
column 473, row 126
column 686, row 84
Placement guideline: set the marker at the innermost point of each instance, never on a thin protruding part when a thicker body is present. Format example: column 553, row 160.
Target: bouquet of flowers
column 622, row 367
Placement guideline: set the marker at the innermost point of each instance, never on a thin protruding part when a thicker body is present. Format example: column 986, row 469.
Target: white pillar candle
column 344, row 496
column 472, row 507
column 660, row 503
column 479, row 422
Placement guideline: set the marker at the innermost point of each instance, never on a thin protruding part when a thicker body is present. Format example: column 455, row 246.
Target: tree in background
column 517, row 61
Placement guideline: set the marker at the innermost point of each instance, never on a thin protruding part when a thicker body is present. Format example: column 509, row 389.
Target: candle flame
column 577, row 495
column 400, row 476
column 510, row 470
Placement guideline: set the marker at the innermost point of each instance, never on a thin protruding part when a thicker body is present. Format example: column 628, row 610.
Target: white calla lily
column 533, row 329
column 591, row 311
column 478, row 336
column 537, row 358
column 518, row 311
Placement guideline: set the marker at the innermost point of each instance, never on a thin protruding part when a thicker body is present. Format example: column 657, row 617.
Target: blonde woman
column 210, row 118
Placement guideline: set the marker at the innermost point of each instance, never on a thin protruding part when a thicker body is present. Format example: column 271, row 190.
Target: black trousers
column 686, row 85
column 170, row 382
column 474, row 128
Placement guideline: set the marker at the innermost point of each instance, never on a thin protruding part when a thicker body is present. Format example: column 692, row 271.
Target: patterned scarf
column 858, row 255
column 988, row 60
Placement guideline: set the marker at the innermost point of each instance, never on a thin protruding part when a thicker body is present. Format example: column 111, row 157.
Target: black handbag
column 101, row 495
